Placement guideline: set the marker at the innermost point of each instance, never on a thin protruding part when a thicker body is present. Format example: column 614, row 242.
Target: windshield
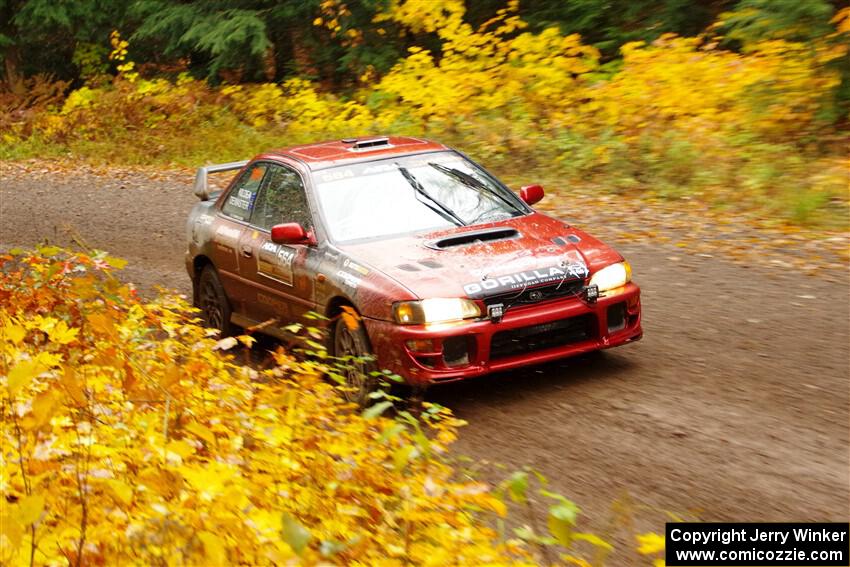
column 410, row 194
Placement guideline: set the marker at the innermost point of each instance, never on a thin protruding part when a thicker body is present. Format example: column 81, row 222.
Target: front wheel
column 212, row 301
column 352, row 344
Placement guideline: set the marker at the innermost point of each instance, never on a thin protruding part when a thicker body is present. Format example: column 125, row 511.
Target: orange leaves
column 350, row 317
column 72, row 385
column 842, row 21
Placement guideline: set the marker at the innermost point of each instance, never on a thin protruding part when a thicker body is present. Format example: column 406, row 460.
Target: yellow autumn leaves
column 128, row 439
column 500, row 84
column 753, row 129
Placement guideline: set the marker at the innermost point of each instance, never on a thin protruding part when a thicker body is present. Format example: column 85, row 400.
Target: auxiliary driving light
column 591, row 293
column 496, row 312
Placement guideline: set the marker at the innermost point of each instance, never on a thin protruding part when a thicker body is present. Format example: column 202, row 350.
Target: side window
column 241, row 199
column 282, row 199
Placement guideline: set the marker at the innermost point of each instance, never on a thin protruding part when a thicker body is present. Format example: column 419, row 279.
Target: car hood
column 487, row 259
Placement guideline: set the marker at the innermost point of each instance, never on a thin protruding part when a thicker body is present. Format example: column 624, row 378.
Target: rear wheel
column 212, row 301
column 352, row 344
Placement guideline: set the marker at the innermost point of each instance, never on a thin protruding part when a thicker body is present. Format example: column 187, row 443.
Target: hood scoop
column 474, row 237
column 428, row 263
column 563, row 240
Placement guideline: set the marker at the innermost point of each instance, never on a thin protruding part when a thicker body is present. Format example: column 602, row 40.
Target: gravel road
column 735, row 406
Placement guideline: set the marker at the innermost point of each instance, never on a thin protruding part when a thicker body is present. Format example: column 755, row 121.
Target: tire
column 347, row 342
column 213, row 303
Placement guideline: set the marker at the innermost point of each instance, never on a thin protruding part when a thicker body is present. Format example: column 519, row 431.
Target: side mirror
column 291, row 233
column 531, row 194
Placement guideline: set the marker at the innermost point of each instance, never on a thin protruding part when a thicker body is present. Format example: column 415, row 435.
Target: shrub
column 681, row 116
column 129, row 438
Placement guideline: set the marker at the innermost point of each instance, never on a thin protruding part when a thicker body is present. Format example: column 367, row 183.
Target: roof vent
column 373, row 143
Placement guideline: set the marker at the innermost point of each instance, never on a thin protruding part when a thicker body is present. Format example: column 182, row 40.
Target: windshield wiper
column 473, row 183
column 437, row 206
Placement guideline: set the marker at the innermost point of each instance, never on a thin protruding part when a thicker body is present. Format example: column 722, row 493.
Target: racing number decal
column 275, row 261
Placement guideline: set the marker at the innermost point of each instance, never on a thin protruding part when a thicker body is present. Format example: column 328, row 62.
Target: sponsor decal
column 520, row 280
column 199, row 227
column 285, row 257
column 280, row 306
column 347, row 263
column 348, row 279
column 275, row 261
column 335, row 174
column 227, row 234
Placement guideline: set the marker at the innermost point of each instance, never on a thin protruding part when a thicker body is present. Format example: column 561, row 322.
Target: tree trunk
column 270, row 64
column 11, row 55
column 12, row 75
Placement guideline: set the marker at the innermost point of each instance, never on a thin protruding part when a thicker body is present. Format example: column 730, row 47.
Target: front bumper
column 526, row 335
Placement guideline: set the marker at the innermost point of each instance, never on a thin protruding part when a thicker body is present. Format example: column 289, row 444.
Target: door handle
column 247, row 251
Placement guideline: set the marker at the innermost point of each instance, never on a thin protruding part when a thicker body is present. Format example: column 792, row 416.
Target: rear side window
column 240, row 201
column 282, row 199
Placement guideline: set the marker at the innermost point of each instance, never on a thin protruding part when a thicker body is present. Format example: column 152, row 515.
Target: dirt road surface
column 734, row 407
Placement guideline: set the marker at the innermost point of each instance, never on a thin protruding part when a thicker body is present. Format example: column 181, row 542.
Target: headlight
column 612, row 277
column 437, row 310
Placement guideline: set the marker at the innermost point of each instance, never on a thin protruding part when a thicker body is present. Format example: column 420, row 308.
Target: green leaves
column 294, row 534
column 517, row 485
column 374, row 411
column 561, row 521
column 561, row 518
column 230, row 36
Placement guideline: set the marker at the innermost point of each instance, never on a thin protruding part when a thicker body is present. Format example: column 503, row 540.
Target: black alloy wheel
column 353, row 345
column 212, row 301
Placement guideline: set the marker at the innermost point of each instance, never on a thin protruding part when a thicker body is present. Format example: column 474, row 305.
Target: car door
column 281, row 275
column 230, row 226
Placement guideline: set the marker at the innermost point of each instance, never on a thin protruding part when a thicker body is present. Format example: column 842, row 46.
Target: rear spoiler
column 202, row 190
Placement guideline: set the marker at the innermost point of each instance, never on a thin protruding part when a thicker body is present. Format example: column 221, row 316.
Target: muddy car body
column 451, row 274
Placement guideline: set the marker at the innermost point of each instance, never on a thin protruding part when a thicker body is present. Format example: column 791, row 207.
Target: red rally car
column 450, row 273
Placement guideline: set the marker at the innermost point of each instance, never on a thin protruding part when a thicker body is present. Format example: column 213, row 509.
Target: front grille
column 540, row 337
column 537, row 294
